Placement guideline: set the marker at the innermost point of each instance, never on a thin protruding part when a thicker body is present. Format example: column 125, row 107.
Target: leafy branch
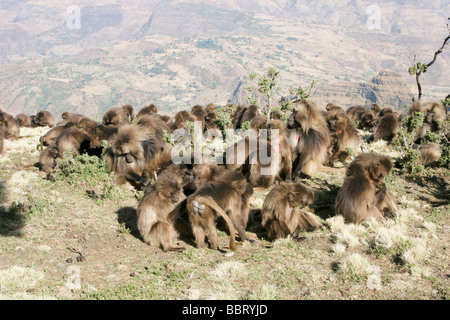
column 419, row 68
column 264, row 89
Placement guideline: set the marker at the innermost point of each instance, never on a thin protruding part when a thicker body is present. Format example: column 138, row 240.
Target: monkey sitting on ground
column 52, row 135
column 180, row 119
column 429, row 153
column 310, row 138
column 244, row 114
column 103, row 132
column 151, row 108
column 47, row 159
column 88, row 125
column 78, row 141
column 156, row 214
column 44, row 118
column 355, row 112
column 366, row 120
column 118, row 115
column 363, row 194
column 134, row 155
column 9, row 126
column 283, row 212
column 344, row 136
column 71, row 117
column 385, row 203
column 434, row 113
column 387, row 126
column 222, row 197
column 23, row 120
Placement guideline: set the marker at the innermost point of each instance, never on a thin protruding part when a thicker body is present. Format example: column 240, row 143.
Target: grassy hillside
column 82, row 222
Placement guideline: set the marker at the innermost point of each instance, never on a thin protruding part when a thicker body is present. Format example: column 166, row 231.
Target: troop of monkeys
column 188, row 199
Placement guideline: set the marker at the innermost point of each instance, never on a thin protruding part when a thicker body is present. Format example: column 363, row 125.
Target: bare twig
column 423, row 68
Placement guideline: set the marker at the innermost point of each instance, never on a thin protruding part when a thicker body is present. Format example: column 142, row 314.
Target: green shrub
column 404, row 143
column 89, row 172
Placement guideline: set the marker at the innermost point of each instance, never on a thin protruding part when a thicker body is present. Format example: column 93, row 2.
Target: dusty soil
column 57, row 241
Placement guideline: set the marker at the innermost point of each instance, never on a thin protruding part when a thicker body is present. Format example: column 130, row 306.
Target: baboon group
column 191, row 199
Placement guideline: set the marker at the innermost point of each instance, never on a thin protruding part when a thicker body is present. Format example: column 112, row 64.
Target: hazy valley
column 180, row 53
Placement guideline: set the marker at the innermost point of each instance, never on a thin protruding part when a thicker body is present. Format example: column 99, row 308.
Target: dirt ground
column 57, row 241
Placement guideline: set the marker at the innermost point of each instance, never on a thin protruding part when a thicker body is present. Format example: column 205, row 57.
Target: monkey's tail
column 209, row 201
column 41, row 143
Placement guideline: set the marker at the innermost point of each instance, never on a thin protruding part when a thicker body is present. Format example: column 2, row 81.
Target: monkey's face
column 175, row 196
column 299, row 199
column 169, row 189
column 173, row 193
column 298, row 116
column 188, row 177
column 124, row 151
column 368, row 120
column 429, row 117
column 258, row 124
column 376, row 172
column 197, row 173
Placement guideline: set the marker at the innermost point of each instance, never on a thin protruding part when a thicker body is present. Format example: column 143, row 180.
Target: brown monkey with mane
column 151, row 108
column 44, row 118
column 135, row 154
column 52, row 135
column 118, row 115
column 387, row 126
column 429, row 153
column 47, row 159
column 104, row 132
column 283, row 212
column 71, row 117
column 344, row 136
column 363, row 194
column 9, row 127
column 23, row 120
column 434, row 113
column 309, row 138
column 78, row 141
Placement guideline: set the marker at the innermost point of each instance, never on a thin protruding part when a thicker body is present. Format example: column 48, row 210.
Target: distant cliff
column 387, row 88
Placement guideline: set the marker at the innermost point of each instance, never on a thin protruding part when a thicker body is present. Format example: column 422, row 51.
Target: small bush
column 404, row 142
column 88, row 172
